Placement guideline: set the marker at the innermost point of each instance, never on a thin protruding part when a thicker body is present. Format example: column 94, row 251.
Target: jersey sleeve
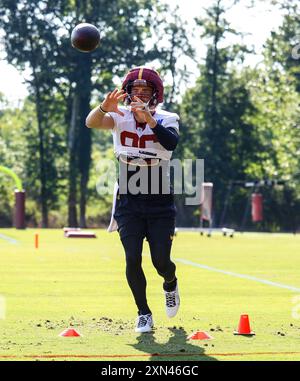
column 171, row 121
column 114, row 116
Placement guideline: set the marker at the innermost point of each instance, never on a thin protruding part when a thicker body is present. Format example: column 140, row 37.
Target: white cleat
column 172, row 302
column 144, row 323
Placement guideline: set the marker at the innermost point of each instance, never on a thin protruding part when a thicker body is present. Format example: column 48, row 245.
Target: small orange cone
column 244, row 327
column 69, row 332
column 36, row 241
column 200, row 335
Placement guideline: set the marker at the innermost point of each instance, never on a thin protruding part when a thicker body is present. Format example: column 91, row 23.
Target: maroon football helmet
column 144, row 76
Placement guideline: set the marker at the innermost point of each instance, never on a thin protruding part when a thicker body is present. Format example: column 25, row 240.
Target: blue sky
column 256, row 22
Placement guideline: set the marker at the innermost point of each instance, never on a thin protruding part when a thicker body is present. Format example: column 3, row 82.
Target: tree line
column 243, row 121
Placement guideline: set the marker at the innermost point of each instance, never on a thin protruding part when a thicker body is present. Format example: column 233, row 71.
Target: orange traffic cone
column 244, row 327
column 36, row 241
column 69, row 332
column 200, row 335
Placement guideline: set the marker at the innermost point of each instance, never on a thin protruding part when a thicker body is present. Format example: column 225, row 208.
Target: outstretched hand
column 110, row 103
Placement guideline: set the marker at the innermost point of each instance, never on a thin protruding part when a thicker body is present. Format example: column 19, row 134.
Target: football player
column 144, row 137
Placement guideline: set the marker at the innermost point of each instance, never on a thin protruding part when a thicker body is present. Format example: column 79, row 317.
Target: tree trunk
column 84, row 167
column 85, row 140
column 215, row 70
column 80, row 142
column 43, row 175
column 73, row 163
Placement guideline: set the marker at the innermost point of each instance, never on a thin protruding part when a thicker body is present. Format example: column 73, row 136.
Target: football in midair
column 85, row 37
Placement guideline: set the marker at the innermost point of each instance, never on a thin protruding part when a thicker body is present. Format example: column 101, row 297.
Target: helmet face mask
column 147, row 78
column 143, row 90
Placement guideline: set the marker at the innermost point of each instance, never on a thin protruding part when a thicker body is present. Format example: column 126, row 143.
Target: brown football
column 85, row 37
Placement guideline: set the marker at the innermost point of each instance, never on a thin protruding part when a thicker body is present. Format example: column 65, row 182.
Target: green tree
column 172, row 44
column 37, row 34
column 277, row 117
column 16, row 154
column 282, row 49
column 213, row 111
column 275, row 93
column 30, row 42
column 124, row 26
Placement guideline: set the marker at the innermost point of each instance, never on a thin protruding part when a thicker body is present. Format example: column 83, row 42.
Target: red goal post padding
column 257, row 207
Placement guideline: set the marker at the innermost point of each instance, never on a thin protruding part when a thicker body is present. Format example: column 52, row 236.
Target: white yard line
column 8, row 239
column 242, row 276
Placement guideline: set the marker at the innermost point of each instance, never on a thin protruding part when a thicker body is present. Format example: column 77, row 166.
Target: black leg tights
column 160, row 233
column 133, row 246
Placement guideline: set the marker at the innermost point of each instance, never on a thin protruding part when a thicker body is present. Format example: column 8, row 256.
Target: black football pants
column 154, row 220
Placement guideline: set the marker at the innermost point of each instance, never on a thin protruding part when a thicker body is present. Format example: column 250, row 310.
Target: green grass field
column 81, row 283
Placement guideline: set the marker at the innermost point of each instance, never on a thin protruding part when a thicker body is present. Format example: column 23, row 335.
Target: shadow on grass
column 178, row 347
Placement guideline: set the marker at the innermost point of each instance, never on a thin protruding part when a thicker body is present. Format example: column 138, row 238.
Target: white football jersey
column 132, row 139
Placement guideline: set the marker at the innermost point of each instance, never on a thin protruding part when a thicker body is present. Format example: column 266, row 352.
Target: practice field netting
column 81, row 283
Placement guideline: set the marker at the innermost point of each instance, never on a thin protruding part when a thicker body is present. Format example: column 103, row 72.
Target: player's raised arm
column 99, row 117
